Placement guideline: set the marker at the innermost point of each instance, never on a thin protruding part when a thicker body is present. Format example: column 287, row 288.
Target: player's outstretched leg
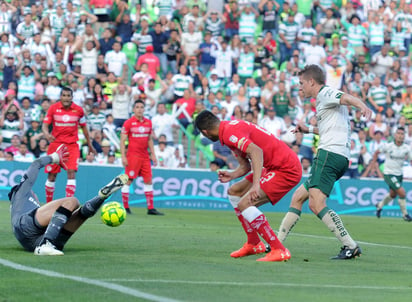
column 116, row 184
column 91, row 206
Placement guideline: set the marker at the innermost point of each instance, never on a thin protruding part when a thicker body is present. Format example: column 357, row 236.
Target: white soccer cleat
column 47, row 249
column 116, row 184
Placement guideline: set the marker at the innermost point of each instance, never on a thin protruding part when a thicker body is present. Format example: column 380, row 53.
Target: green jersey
column 395, row 157
column 333, row 122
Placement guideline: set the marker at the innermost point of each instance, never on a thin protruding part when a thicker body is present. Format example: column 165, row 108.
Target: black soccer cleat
column 128, row 211
column 154, row 212
column 407, row 218
column 378, row 212
column 347, row 253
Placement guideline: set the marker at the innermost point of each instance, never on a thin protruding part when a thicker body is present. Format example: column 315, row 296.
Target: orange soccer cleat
column 249, row 249
column 276, row 255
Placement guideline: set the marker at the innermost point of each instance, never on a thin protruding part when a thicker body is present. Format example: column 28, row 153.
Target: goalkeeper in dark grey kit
column 46, row 229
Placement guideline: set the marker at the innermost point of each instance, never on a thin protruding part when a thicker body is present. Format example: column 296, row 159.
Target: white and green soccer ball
column 113, row 214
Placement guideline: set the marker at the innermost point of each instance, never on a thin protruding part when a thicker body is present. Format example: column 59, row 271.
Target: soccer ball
column 113, row 214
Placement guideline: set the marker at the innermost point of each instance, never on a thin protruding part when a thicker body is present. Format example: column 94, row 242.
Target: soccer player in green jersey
column 331, row 160
column 395, row 154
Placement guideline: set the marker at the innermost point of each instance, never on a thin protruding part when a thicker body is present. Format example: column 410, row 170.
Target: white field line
column 264, row 284
column 115, row 287
column 360, row 242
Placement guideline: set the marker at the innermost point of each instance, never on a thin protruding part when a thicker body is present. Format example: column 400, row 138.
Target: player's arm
column 152, row 150
column 349, row 100
column 255, row 154
column 123, row 139
column 243, row 168
column 301, row 127
column 46, row 132
column 87, row 136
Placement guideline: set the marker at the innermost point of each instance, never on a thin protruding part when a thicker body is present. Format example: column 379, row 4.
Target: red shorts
column 277, row 184
column 139, row 167
column 72, row 162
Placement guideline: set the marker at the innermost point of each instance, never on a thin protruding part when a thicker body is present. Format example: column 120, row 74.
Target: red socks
column 252, row 235
column 125, row 199
column 49, row 193
column 149, row 199
column 262, row 226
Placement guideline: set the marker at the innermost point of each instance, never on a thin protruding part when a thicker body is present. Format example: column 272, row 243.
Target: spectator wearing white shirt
column 224, row 58
column 190, row 41
column 229, row 104
column 78, row 94
column 273, row 123
column 6, row 12
column 101, row 158
column 163, row 123
column 27, row 29
column 36, row 46
column 116, row 61
column 89, row 59
column 314, row 53
column 164, row 154
column 121, row 104
column 382, row 62
column 23, row 154
column 53, row 90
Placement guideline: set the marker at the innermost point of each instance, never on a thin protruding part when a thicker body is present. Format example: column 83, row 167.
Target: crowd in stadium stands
column 239, row 59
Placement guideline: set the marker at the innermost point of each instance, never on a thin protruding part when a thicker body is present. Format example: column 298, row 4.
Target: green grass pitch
column 184, row 256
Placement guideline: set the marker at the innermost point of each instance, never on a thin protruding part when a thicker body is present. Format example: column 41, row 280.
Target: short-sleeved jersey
column 138, row 133
column 65, row 122
column 238, row 135
column 333, row 122
column 395, row 157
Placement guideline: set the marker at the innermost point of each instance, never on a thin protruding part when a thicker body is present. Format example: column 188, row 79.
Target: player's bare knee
column 71, row 203
column 243, row 204
column 233, row 191
column 315, row 204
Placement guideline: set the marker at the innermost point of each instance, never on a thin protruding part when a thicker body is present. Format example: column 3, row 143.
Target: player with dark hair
column 65, row 118
column 276, row 170
column 46, row 229
column 395, row 154
column 138, row 131
column 332, row 158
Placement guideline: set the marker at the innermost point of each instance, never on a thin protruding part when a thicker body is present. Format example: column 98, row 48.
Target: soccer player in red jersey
column 138, row 131
column 276, row 170
column 65, row 118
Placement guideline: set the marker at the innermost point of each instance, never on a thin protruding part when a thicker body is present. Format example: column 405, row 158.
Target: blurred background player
column 395, row 155
column 46, row 229
column 138, row 132
column 276, row 170
column 65, row 117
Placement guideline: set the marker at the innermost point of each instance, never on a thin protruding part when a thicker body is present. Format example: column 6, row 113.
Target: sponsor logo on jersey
column 66, row 118
column 65, row 124
column 233, row 139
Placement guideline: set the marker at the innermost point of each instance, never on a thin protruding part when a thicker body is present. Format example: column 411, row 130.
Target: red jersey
column 238, row 135
column 190, row 106
column 152, row 62
column 138, row 133
column 65, row 122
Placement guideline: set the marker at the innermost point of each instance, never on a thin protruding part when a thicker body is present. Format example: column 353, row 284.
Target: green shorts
column 327, row 168
column 393, row 181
